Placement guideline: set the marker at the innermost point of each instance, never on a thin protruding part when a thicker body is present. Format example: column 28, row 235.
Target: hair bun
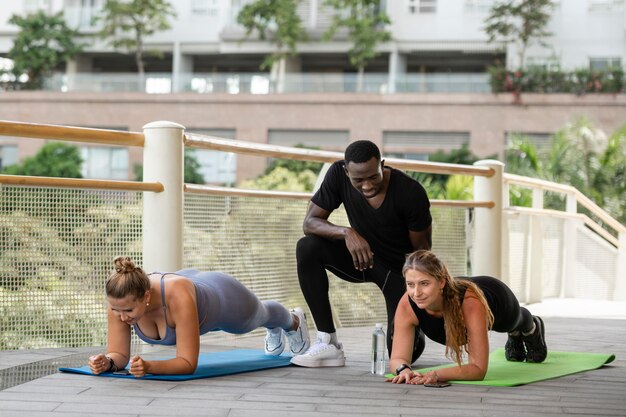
column 124, row 264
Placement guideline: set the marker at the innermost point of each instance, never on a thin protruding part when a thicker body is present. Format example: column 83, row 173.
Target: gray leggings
column 226, row 304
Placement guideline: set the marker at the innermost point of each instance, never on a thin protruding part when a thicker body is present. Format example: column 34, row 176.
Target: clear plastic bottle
column 378, row 350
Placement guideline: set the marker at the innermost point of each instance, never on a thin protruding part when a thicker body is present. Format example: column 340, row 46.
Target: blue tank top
column 207, row 301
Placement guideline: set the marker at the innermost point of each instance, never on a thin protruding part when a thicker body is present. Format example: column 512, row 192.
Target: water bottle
column 378, row 350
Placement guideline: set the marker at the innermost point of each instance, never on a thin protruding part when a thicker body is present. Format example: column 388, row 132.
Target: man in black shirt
column 389, row 215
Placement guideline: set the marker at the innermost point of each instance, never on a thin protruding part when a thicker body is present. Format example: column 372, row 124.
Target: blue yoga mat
column 210, row 365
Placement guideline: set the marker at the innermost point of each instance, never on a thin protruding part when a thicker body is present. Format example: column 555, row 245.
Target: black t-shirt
column 386, row 229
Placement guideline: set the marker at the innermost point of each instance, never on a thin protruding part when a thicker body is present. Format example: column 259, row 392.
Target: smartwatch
column 402, row 368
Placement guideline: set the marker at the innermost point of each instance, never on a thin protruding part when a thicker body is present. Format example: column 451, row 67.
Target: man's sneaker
column 536, row 349
column 274, row 342
column 514, row 348
column 299, row 340
column 322, row 353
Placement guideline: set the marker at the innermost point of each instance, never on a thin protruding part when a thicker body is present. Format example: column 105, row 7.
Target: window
column 545, row 63
column 309, row 138
column 33, row 6
column 80, row 13
column 605, row 5
column 604, row 64
column 419, row 143
column 478, row 6
column 8, row 156
column 104, row 163
column 216, row 167
column 422, row 6
column 205, row 8
column 540, row 140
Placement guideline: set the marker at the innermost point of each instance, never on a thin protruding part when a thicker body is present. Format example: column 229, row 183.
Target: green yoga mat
column 502, row 373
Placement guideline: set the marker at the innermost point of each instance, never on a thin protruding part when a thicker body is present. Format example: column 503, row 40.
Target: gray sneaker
column 274, row 342
column 299, row 339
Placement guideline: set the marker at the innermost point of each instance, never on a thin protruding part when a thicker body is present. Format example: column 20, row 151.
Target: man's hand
column 362, row 255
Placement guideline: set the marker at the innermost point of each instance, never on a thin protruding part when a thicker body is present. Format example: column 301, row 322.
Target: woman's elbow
column 479, row 374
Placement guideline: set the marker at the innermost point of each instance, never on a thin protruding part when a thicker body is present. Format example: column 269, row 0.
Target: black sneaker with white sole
column 536, row 349
column 514, row 349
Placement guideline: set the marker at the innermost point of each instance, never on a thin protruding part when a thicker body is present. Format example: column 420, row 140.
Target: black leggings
column 315, row 255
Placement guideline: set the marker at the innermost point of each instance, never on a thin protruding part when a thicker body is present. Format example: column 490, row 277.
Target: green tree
column 282, row 179
column 127, row 23
column 294, row 165
column 520, row 21
column 54, row 159
column 276, row 21
column 436, row 184
column 41, row 45
column 192, row 169
column 365, row 22
column 579, row 155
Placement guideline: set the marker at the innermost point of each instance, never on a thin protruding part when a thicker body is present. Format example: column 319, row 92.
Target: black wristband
column 402, row 368
column 112, row 365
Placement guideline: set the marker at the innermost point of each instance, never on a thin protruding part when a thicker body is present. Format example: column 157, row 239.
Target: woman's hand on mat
column 421, row 379
column 403, row 378
column 138, row 367
column 99, row 363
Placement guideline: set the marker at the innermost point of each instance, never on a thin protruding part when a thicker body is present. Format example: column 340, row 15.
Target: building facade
column 427, row 89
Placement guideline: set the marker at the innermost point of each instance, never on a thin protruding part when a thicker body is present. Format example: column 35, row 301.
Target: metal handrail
column 239, row 192
column 80, row 183
column 566, row 189
column 71, row 134
column 277, row 151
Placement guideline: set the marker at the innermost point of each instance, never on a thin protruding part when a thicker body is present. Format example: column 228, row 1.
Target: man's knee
column 309, row 246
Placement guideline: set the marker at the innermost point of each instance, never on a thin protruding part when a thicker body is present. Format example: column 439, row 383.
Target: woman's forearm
column 174, row 366
column 467, row 372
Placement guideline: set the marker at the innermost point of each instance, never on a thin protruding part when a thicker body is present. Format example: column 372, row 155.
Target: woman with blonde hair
column 176, row 308
column 458, row 313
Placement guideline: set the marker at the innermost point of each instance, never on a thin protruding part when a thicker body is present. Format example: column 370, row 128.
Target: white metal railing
column 580, row 240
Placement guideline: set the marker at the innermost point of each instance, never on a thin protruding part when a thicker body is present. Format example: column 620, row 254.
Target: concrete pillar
column 163, row 162
column 182, row 68
column 397, row 67
column 487, row 254
column 280, row 69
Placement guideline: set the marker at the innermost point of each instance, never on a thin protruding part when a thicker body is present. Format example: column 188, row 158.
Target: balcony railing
column 263, row 83
column 58, row 237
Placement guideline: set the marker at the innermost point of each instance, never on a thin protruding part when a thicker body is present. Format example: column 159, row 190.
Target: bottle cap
column 379, row 325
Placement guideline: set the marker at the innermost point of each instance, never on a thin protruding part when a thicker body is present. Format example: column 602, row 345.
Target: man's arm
column 316, row 223
column 423, row 239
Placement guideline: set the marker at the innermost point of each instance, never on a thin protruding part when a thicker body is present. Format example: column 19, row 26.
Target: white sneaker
column 274, row 342
column 322, row 353
column 299, row 340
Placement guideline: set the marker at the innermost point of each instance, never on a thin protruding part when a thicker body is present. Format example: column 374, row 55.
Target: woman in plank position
column 176, row 308
column 458, row 312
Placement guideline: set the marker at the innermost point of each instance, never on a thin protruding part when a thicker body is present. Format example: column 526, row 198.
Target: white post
column 569, row 248
column 620, row 278
column 487, row 254
column 535, row 293
column 163, row 160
